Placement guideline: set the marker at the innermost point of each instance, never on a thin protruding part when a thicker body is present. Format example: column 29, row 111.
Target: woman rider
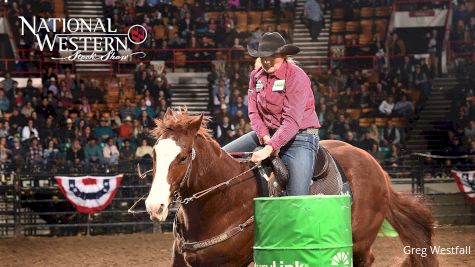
column 282, row 113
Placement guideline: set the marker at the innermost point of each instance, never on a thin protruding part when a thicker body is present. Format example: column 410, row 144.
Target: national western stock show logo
column 90, row 39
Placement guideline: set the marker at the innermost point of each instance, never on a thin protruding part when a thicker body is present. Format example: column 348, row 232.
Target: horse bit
column 177, row 198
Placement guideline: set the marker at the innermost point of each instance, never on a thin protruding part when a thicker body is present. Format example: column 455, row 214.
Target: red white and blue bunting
column 466, row 183
column 89, row 194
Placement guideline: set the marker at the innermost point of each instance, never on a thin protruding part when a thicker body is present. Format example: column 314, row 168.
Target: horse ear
column 169, row 113
column 195, row 125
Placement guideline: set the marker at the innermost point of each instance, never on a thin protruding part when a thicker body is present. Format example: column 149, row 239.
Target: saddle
column 328, row 177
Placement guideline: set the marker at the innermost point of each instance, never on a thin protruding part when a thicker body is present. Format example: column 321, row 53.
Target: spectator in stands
column 350, row 138
column 144, row 150
column 406, row 72
column 460, row 120
column 52, row 87
column 27, row 109
column 404, row 107
column 225, row 131
column 390, row 135
column 85, row 135
column 185, row 26
column 68, row 133
column 30, row 91
column 75, row 154
column 47, row 130
column 4, row 102
column 397, row 50
column 143, row 107
column 469, row 131
column 17, row 121
column 149, row 101
column 5, row 153
column 111, row 152
column 29, row 131
column 380, row 56
column 337, row 129
column 127, row 109
column 238, row 50
column 366, row 143
column 421, row 82
column 433, row 50
column 256, row 37
column 386, row 107
column 35, row 152
column 313, row 14
column 461, row 13
column 103, row 131
column 142, row 82
column 93, row 152
column 7, row 83
column 51, row 153
column 365, row 98
column 85, row 105
column 45, row 109
column 146, row 121
column 177, row 41
column 346, row 99
column 127, row 153
column 126, row 129
column 238, row 106
column 18, row 153
column 4, row 127
column 114, row 120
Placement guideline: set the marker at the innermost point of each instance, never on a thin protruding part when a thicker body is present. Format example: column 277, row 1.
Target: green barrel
column 300, row 231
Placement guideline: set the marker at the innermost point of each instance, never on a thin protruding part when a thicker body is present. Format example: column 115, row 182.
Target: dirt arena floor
column 154, row 250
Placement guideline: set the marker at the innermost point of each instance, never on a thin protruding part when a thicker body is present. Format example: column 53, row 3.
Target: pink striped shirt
column 285, row 111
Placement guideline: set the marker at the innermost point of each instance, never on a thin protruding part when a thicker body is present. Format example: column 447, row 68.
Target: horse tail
column 412, row 218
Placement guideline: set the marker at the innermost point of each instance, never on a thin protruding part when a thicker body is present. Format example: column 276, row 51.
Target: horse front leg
column 178, row 260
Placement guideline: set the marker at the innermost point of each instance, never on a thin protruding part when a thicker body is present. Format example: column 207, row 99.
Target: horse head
column 172, row 156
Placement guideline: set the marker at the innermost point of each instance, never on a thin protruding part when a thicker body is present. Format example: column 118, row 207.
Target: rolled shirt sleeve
column 257, row 122
column 297, row 88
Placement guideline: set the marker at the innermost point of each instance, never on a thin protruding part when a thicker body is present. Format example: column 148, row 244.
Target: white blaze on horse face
column 157, row 201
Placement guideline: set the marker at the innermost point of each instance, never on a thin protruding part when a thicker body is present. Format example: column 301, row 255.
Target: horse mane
column 180, row 120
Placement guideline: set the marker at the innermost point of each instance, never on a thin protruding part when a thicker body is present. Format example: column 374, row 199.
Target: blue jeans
column 298, row 155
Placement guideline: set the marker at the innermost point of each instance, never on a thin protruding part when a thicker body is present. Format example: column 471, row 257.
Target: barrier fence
column 31, row 202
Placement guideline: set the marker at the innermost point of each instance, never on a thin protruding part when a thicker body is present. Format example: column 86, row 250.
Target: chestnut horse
column 216, row 191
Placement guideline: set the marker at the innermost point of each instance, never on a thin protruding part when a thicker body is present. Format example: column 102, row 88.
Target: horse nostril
column 160, row 210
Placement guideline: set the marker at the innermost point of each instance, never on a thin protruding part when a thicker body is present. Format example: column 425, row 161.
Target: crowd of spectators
column 55, row 124
column 462, row 36
column 189, row 26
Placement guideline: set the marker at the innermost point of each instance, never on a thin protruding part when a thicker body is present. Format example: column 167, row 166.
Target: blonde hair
column 257, row 63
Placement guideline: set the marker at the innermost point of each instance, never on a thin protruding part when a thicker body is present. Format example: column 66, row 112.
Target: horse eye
column 182, row 160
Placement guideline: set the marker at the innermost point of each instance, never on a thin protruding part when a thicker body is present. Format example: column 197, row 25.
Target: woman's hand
column 262, row 154
column 265, row 139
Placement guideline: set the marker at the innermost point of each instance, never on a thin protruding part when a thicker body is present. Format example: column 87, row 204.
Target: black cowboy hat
column 273, row 43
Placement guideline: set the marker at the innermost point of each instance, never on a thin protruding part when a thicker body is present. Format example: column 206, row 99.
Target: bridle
column 177, row 198
column 184, row 245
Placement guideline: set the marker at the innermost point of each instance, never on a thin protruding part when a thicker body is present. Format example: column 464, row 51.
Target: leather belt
column 313, row 131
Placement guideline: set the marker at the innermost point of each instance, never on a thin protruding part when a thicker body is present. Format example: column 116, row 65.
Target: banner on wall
column 465, row 182
column 431, row 18
column 89, row 194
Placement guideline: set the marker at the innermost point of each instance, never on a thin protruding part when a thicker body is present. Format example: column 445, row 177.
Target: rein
column 197, row 245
